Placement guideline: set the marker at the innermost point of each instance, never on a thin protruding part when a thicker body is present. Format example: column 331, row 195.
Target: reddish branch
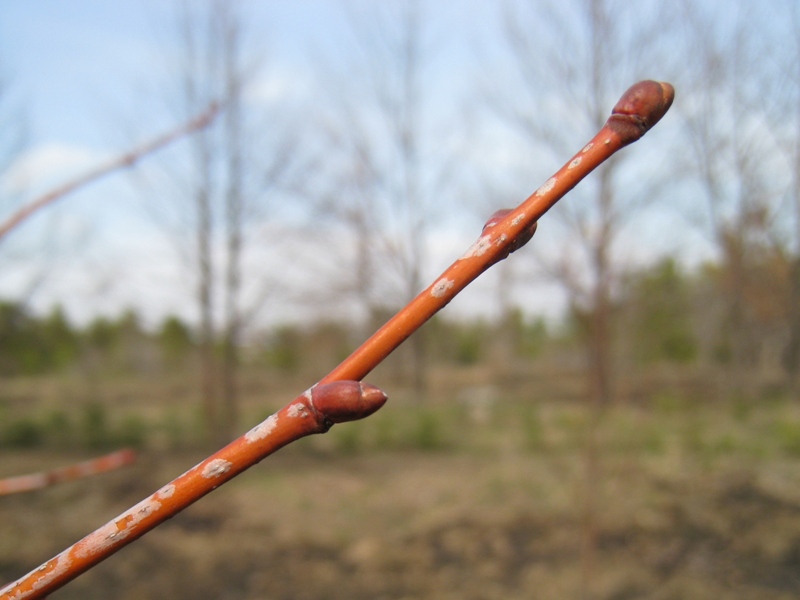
column 314, row 411
column 124, row 161
column 639, row 109
column 334, row 400
column 37, row 481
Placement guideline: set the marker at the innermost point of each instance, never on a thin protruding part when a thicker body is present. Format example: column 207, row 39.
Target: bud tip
column 640, row 108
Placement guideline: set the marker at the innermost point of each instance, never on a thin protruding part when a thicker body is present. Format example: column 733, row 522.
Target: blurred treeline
column 351, row 180
column 114, row 382
column 665, row 316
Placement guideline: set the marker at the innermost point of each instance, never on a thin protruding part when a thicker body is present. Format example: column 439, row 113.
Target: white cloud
column 278, row 85
column 48, row 164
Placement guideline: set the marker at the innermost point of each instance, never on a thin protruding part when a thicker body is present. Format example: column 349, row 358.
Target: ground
column 472, row 499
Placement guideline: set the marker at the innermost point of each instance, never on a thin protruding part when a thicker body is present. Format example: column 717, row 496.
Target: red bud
column 496, row 217
column 640, row 107
column 523, row 238
column 343, row 401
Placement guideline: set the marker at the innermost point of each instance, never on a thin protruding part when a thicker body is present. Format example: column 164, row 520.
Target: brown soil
column 429, row 525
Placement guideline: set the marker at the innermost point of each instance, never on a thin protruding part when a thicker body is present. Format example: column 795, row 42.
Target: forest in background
column 666, row 321
column 353, row 192
column 643, row 443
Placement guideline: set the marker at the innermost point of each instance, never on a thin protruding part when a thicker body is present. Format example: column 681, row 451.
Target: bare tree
column 786, row 122
column 734, row 157
column 573, row 57
column 231, row 170
column 385, row 181
column 570, row 59
column 200, row 40
column 235, row 79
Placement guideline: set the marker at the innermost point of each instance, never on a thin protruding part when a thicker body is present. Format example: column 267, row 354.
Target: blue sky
column 84, row 72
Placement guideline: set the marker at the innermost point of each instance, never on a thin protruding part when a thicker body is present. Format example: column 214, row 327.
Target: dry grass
column 477, row 496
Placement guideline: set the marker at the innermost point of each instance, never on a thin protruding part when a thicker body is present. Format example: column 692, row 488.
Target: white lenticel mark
column 478, row 248
column 575, row 163
column 441, row 287
column 62, row 565
column 216, row 467
column 517, row 220
column 117, row 529
column 548, row 185
column 166, row 491
column 297, row 410
column 587, row 147
column 262, row 430
column 98, row 540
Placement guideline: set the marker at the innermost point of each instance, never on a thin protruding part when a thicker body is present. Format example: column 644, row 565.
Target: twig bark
column 314, row 411
column 37, row 481
column 641, row 107
column 334, row 399
column 123, row 161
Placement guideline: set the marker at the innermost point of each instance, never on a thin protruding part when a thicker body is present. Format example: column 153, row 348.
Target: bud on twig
column 334, row 400
column 523, row 238
column 312, row 412
column 641, row 107
column 343, row 401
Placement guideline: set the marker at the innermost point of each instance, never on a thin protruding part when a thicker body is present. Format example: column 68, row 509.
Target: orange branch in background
column 37, row 481
column 334, row 400
column 123, row 161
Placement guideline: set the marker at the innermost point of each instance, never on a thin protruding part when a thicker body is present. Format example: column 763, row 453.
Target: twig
column 315, row 411
column 639, row 109
column 123, row 161
column 37, row 481
column 334, row 400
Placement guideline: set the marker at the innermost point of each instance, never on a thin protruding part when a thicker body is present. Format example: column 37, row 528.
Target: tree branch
column 339, row 397
column 124, row 161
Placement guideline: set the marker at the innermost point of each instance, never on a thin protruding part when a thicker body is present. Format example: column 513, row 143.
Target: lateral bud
column 343, row 401
column 523, row 238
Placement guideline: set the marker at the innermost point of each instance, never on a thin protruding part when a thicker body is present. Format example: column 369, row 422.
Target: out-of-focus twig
column 123, row 161
column 333, row 399
column 37, row 481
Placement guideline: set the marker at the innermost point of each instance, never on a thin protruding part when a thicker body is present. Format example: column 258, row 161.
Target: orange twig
column 334, row 400
column 123, row 161
column 641, row 107
column 37, row 481
column 315, row 411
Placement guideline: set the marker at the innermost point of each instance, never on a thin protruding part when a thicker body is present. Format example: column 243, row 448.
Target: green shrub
column 172, row 429
column 347, row 438
column 654, row 441
column 427, row 432
column 533, row 430
column 23, row 433
column 132, row 431
column 94, row 425
column 58, row 428
column 384, row 432
column 787, row 435
column 667, row 402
